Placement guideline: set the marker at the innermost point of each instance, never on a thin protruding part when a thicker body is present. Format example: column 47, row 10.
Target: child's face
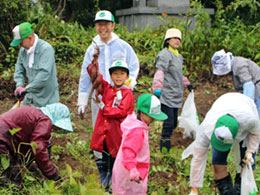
column 119, row 77
column 147, row 119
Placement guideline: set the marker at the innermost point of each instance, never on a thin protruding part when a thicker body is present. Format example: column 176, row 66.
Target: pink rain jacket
column 133, row 152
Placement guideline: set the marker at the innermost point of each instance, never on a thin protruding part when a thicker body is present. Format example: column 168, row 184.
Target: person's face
column 147, row 119
column 104, row 30
column 174, row 42
column 27, row 42
column 119, row 77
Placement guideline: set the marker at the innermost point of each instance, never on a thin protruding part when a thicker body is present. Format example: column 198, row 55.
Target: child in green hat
column 130, row 172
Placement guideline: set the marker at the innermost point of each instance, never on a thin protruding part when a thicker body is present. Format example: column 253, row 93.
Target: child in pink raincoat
column 130, row 171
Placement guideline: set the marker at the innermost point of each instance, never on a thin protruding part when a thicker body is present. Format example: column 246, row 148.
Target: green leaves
column 14, row 131
column 5, row 161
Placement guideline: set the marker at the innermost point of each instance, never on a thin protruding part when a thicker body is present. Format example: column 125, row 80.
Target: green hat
column 104, row 15
column 20, row 32
column 225, row 133
column 118, row 64
column 150, row 105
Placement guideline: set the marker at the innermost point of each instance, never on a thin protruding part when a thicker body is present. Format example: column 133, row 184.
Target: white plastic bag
column 248, row 185
column 189, row 117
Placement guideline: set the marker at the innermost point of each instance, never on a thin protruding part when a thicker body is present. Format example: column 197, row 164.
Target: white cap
column 221, row 62
column 173, row 33
column 119, row 64
column 223, row 134
column 104, row 15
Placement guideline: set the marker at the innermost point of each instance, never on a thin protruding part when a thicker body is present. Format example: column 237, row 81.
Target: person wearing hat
column 117, row 102
column 245, row 73
column 131, row 168
column 231, row 123
column 24, row 137
column 36, row 62
column 111, row 48
column 168, row 83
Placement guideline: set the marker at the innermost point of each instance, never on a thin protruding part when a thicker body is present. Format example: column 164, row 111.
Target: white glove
column 101, row 105
column 248, row 158
column 81, row 109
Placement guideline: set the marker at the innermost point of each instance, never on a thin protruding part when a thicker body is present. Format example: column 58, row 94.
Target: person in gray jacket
column 35, row 61
column 245, row 73
column 168, row 83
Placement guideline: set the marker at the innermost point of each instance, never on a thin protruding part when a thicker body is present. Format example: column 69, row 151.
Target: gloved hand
column 157, row 93
column 101, row 105
column 58, row 179
column 190, row 87
column 81, row 110
column 20, row 91
column 248, row 158
column 135, row 175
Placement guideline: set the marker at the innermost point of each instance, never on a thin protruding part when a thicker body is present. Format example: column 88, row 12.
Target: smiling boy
column 117, row 102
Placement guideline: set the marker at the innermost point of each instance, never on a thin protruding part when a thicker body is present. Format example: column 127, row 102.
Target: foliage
column 70, row 41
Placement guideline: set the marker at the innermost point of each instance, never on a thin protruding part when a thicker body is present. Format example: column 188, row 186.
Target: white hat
column 173, row 33
column 221, row 62
column 119, row 64
column 104, row 15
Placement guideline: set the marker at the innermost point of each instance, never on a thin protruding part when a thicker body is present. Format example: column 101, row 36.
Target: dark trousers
column 107, row 159
column 168, row 126
column 171, row 123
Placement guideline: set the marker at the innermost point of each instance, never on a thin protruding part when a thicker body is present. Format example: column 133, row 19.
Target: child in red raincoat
column 117, row 102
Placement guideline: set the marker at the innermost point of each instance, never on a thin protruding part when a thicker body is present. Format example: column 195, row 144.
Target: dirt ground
column 206, row 92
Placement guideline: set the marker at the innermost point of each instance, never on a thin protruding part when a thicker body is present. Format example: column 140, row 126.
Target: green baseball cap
column 225, row 133
column 150, row 105
column 118, row 64
column 104, row 15
column 20, row 32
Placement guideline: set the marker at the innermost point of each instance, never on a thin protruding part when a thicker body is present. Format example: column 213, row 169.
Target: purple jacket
column 35, row 127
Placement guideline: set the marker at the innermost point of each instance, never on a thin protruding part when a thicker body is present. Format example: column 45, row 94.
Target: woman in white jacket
column 232, row 122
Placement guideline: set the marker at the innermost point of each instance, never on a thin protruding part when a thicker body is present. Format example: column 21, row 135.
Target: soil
column 206, row 92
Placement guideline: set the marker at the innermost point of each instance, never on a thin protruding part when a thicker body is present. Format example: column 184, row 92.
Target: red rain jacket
column 107, row 127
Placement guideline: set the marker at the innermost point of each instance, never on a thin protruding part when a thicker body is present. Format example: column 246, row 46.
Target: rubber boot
column 237, row 185
column 225, row 185
column 165, row 143
column 108, row 187
column 102, row 173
